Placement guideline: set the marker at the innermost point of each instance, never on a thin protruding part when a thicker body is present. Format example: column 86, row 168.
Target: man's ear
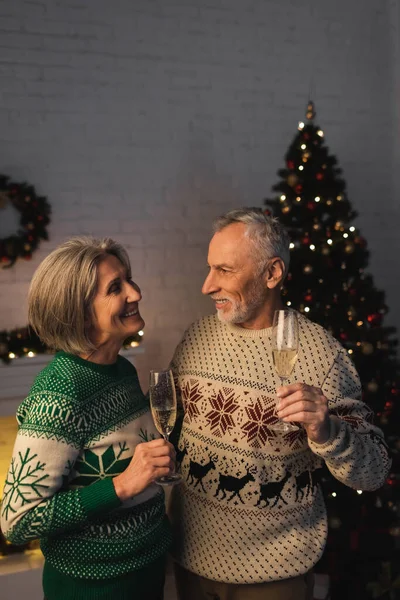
column 275, row 273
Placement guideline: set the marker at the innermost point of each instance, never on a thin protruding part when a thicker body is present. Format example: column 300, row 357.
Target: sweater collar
column 248, row 333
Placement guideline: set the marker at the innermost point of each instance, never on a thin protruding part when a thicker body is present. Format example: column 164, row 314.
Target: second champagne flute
column 163, row 409
column 285, row 348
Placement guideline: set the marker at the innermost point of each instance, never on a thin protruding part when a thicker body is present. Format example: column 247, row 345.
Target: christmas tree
column 328, row 282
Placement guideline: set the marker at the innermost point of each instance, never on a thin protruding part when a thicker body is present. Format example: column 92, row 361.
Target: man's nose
column 210, row 284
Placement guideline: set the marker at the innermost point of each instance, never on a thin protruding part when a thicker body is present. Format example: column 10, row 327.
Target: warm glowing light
column 301, row 125
column 11, row 355
column 317, row 199
column 359, row 492
column 141, row 332
column 298, row 198
column 303, row 146
column 31, row 354
column 291, row 245
column 320, row 133
column 350, row 351
column 134, row 344
column 345, row 235
column 329, row 242
column 334, row 494
column 312, row 247
column 360, row 323
column 288, row 303
column 352, row 228
column 301, row 167
column 283, row 197
column 306, row 309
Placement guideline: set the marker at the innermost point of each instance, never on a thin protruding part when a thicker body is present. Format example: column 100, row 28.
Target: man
column 249, row 516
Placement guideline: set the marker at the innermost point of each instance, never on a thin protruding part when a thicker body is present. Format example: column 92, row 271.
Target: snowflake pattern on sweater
column 78, row 428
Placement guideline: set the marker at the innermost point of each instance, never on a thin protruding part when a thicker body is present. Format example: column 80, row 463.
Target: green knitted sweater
column 78, row 428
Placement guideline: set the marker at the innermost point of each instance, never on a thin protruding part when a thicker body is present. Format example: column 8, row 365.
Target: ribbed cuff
column 335, row 444
column 100, row 497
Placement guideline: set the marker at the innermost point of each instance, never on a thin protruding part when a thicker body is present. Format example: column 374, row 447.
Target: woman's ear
column 275, row 273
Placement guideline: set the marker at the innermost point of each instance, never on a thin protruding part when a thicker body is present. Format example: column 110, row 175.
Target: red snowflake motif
column 347, row 415
column 190, row 396
column 257, row 427
column 223, row 405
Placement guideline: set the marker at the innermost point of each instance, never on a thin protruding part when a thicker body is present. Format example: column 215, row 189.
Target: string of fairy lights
column 24, row 343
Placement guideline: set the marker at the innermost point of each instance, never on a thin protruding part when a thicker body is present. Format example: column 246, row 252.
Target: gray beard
column 242, row 313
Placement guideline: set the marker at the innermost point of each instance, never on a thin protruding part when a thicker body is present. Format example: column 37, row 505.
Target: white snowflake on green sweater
column 23, row 483
column 92, row 466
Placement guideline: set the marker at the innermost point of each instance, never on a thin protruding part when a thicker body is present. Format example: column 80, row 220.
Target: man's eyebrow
column 220, row 266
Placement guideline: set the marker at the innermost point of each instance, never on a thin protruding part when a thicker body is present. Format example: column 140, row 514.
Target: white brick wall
column 143, row 120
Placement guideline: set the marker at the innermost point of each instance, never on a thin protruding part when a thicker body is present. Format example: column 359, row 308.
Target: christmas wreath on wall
column 34, row 217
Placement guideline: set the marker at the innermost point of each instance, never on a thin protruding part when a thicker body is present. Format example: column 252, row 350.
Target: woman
column 87, row 452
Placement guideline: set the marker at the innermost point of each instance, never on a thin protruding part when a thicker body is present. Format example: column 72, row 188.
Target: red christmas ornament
column 4, row 259
column 290, row 164
column 310, row 205
column 320, row 176
column 306, row 135
column 306, row 240
column 343, row 336
column 308, row 298
column 298, row 188
column 374, row 319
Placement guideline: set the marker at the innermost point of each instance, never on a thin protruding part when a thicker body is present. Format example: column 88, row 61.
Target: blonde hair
column 62, row 291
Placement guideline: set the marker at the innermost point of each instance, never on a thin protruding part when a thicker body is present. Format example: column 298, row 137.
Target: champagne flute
column 163, row 410
column 285, row 348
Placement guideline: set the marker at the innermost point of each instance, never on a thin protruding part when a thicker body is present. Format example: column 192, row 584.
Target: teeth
column 130, row 314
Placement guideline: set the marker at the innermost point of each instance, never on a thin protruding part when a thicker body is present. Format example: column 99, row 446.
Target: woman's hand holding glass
column 150, row 461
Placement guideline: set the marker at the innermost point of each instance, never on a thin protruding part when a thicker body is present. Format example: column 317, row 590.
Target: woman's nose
column 134, row 292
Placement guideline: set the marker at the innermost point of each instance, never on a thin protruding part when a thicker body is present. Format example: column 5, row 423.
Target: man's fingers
column 297, row 408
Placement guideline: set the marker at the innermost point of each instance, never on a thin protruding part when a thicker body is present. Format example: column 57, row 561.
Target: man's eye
column 115, row 289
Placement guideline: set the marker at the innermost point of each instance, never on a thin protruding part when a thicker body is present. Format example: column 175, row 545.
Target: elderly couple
column 248, row 521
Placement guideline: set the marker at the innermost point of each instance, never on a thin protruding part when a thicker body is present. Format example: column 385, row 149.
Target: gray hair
column 268, row 235
column 62, row 291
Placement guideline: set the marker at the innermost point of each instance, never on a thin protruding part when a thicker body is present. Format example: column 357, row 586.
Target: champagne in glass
column 163, row 409
column 285, row 347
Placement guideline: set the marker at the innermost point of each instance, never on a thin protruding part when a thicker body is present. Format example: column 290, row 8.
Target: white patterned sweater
column 250, row 508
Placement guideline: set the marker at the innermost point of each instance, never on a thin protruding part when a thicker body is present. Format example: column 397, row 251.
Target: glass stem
column 282, row 379
column 166, row 438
